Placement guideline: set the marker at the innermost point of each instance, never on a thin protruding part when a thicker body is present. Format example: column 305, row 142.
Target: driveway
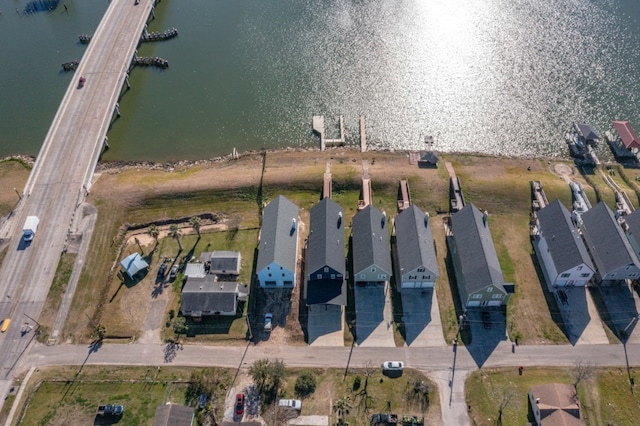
column 374, row 316
column 325, row 325
column 580, row 316
column 421, row 318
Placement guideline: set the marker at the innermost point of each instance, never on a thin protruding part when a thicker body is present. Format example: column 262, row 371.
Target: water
column 494, row 76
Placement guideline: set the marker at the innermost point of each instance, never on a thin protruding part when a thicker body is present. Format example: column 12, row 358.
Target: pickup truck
column 110, row 410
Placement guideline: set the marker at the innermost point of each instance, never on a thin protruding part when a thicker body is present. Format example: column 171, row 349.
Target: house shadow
column 215, row 324
column 487, row 333
column 370, row 302
column 464, row 332
column 416, row 312
column 567, row 317
column 621, row 313
column 323, row 320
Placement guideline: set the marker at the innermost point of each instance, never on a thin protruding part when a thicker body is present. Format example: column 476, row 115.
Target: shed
column 428, row 160
column 133, row 264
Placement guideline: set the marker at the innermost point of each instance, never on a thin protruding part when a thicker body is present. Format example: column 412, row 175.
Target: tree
column 153, row 232
column 174, row 232
column 180, row 325
column 341, row 407
column 305, row 383
column 267, row 375
column 581, row 372
column 503, row 398
column 196, row 222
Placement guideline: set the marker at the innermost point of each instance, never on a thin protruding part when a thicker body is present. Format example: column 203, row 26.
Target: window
column 490, row 289
column 333, row 276
column 319, row 276
column 426, row 277
column 288, row 283
column 584, row 275
column 326, row 269
column 373, row 269
column 565, row 275
column 382, row 276
column 362, row 276
column 497, row 296
column 269, row 274
column 579, row 268
column 477, row 296
column 420, row 269
column 269, row 283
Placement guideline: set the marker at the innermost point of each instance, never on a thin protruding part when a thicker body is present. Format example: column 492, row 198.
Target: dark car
column 239, row 405
column 163, row 270
column 486, row 319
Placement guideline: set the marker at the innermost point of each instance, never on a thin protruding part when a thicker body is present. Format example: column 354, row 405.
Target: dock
column 538, row 197
column 327, row 182
column 363, row 134
column 319, row 129
column 404, row 196
column 366, row 193
column 456, row 199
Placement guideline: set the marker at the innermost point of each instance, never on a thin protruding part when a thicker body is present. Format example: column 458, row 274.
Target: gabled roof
column 586, row 131
column 279, row 234
column 370, row 240
column 414, row 241
column 563, row 239
column 325, row 246
column 173, row 415
column 627, row 135
column 609, row 247
column 633, row 232
column 476, row 252
column 133, row 264
column 205, row 294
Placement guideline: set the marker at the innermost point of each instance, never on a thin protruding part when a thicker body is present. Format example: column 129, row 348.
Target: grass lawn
column 61, row 396
column 13, row 174
column 605, row 399
column 383, row 392
column 54, row 298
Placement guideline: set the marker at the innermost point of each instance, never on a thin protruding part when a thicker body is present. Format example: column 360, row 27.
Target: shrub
column 305, row 383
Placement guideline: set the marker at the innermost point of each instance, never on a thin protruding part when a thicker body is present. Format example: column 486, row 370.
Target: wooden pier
column 327, row 182
column 538, row 198
column 318, row 128
column 404, row 196
column 363, row 134
column 366, row 193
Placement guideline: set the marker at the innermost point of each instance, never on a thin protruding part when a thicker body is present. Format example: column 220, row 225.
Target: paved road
column 62, row 175
column 436, row 362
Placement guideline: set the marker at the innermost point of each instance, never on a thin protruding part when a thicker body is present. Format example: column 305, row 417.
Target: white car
column 293, row 403
column 392, row 365
column 267, row 322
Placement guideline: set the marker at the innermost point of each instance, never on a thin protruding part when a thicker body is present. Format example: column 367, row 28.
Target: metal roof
column 370, row 240
column 629, row 138
column 609, row 247
column 414, row 241
column 279, row 234
column 565, row 244
column 475, row 250
column 133, row 264
column 205, row 294
column 586, row 131
column 222, row 261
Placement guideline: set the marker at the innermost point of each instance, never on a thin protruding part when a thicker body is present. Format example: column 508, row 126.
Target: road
column 436, row 362
column 62, row 175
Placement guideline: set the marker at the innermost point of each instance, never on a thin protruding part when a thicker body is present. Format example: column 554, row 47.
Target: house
column 173, row 415
column 206, row 297
column 627, row 135
column 586, row 133
column 555, row 404
column 325, row 263
column 560, row 249
column 609, row 248
column 370, row 247
column 632, row 230
column 415, row 254
column 478, row 273
column 277, row 254
column 133, row 264
column 222, row 262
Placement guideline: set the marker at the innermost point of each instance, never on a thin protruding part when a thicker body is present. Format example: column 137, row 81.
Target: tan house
column 555, row 404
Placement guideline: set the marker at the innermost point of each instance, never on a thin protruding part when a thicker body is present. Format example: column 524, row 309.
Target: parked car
column 268, row 325
column 486, row 319
column 393, row 366
column 293, row 403
column 163, row 270
column 239, row 405
column 174, row 272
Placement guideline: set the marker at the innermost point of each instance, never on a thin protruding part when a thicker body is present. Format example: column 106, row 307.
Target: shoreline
column 169, row 166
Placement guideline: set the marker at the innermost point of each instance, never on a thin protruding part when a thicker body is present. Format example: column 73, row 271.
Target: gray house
column 416, row 263
column 608, row 246
column 278, row 249
column 560, row 249
column 205, row 297
column 325, row 265
column 478, row 273
column 370, row 246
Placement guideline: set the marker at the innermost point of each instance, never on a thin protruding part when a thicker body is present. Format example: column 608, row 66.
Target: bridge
column 62, row 175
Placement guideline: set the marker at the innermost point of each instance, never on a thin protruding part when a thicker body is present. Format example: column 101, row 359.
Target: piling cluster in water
column 146, row 37
column 70, row 66
column 149, row 61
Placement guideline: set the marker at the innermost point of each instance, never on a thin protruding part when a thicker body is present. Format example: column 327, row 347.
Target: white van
column 293, row 403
